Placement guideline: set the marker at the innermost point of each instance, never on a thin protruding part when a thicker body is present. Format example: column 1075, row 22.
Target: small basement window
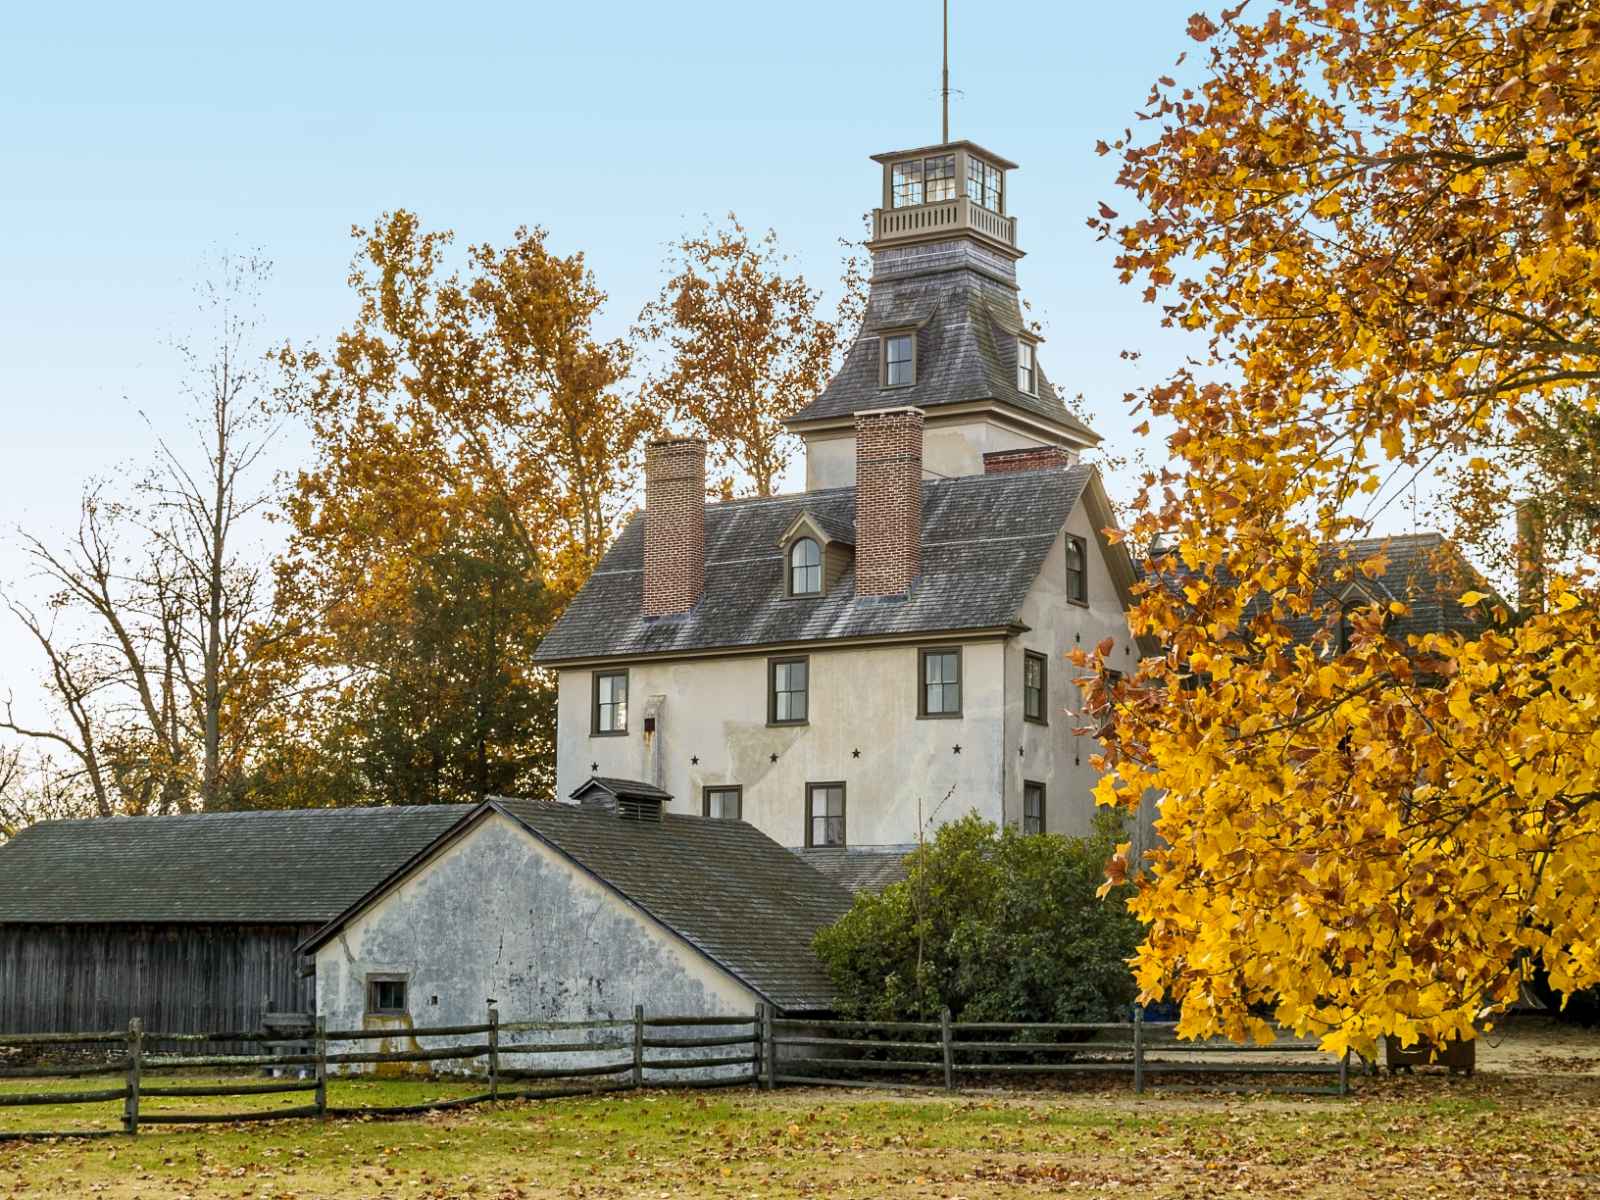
column 386, row 995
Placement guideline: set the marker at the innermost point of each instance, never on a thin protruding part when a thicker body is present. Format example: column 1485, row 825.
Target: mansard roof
column 962, row 301
column 984, row 540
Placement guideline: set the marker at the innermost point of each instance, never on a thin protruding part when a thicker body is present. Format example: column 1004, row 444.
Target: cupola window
column 983, row 184
column 805, row 568
column 923, row 181
column 899, row 360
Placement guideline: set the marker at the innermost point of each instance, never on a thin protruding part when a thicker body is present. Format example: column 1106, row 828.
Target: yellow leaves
column 1469, row 599
column 1329, row 206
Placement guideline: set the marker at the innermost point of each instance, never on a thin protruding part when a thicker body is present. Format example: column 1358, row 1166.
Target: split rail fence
column 842, row 1053
column 763, row 1049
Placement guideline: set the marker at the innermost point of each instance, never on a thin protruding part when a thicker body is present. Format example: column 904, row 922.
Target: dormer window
column 1027, row 368
column 805, row 568
column 899, row 359
column 983, row 184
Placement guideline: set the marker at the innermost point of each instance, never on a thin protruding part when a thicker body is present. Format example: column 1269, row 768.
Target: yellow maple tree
column 1382, row 219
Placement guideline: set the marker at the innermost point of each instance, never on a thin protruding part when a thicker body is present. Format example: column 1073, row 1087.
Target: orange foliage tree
column 1384, row 219
column 746, row 344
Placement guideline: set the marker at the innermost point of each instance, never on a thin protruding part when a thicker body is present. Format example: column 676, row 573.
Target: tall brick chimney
column 888, row 500
column 674, row 525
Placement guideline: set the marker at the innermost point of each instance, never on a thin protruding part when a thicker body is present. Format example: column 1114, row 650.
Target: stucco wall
column 715, row 710
column 950, row 448
column 1052, row 754
column 499, row 914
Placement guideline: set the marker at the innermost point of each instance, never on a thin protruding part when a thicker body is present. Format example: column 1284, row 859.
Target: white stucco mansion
column 885, row 650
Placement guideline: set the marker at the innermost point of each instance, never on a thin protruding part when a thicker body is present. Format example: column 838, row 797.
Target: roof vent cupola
column 936, row 192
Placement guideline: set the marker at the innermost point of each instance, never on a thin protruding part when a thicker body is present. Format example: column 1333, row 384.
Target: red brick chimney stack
column 674, row 525
column 888, row 500
column 1031, row 458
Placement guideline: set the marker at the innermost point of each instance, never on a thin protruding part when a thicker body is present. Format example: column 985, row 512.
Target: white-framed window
column 1027, row 368
column 922, row 181
column 805, row 568
column 899, row 359
column 983, row 184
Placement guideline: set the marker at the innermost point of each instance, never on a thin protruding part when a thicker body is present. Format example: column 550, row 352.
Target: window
column 1027, row 376
column 983, row 184
column 386, row 995
column 790, row 687
column 1346, row 633
column 1077, row 569
column 939, row 176
column 725, row 802
column 907, row 181
column 1033, row 693
column 805, row 568
column 940, row 689
column 825, row 814
column 610, row 704
column 899, row 360
column 1032, row 807
column 923, row 180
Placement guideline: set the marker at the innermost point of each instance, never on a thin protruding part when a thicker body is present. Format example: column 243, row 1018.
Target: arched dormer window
column 805, row 568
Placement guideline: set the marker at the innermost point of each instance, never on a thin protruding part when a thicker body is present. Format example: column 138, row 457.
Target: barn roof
column 723, row 886
column 984, row 539
column 292, row 867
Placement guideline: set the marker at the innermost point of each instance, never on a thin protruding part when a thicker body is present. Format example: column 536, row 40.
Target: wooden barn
column 190, row 922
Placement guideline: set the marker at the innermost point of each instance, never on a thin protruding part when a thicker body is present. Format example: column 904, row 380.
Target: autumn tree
column 1382, row 219
column 475, row 446
column 744, row 345
column 155, row 634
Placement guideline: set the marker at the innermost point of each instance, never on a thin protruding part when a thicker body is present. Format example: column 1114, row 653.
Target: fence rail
column 485, row 1056
column 858, row 1053
column 779, row 1051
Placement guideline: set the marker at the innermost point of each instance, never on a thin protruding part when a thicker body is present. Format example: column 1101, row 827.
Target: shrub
column 994, row 924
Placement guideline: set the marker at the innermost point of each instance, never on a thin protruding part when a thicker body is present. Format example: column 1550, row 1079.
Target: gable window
column 899, row 359
column 983, row 184
column 789, row 691
column 1027, row 375
column 805, row 568
column 386, row 995
column 725, row 802
column 1033, row 681
column 825, row 814
column 939, row 694
column 610, row 710
column 1077, row 569
column 1032, row 807
column 1346, row 633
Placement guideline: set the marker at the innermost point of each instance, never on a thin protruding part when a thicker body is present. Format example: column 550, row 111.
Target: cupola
column 933, row 192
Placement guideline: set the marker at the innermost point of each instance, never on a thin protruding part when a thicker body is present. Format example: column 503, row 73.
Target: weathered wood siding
column 178, row 978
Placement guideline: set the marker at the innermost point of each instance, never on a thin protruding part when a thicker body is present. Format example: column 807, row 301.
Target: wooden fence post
column 1344, row 1074
column 1138, row 1050
column 769, row 1053
column 322, row 1068
column 638, row 1045
column 949, row 1051
column 494, row 1053
column 758, row 1043
column 130, row 1106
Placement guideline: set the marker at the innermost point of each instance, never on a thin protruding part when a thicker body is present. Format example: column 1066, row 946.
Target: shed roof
column 294, row 867
column 725, row 887
column 984, row 540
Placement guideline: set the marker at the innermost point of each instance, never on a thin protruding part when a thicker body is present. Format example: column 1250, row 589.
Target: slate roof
column 858, row 869
column 723, row 886
column 622, row 789
column 296, row 867
column 1423, row 570
column 984, row 539
column 967, row 321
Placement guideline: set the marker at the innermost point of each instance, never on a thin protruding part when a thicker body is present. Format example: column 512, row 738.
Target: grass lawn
column 1528, row 1133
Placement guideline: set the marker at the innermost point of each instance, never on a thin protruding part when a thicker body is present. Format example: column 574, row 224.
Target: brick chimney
column 888, row 500
column 1030, row 458
column 674, row 525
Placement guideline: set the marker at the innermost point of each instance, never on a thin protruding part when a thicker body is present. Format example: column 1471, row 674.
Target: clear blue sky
column 138, row 138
